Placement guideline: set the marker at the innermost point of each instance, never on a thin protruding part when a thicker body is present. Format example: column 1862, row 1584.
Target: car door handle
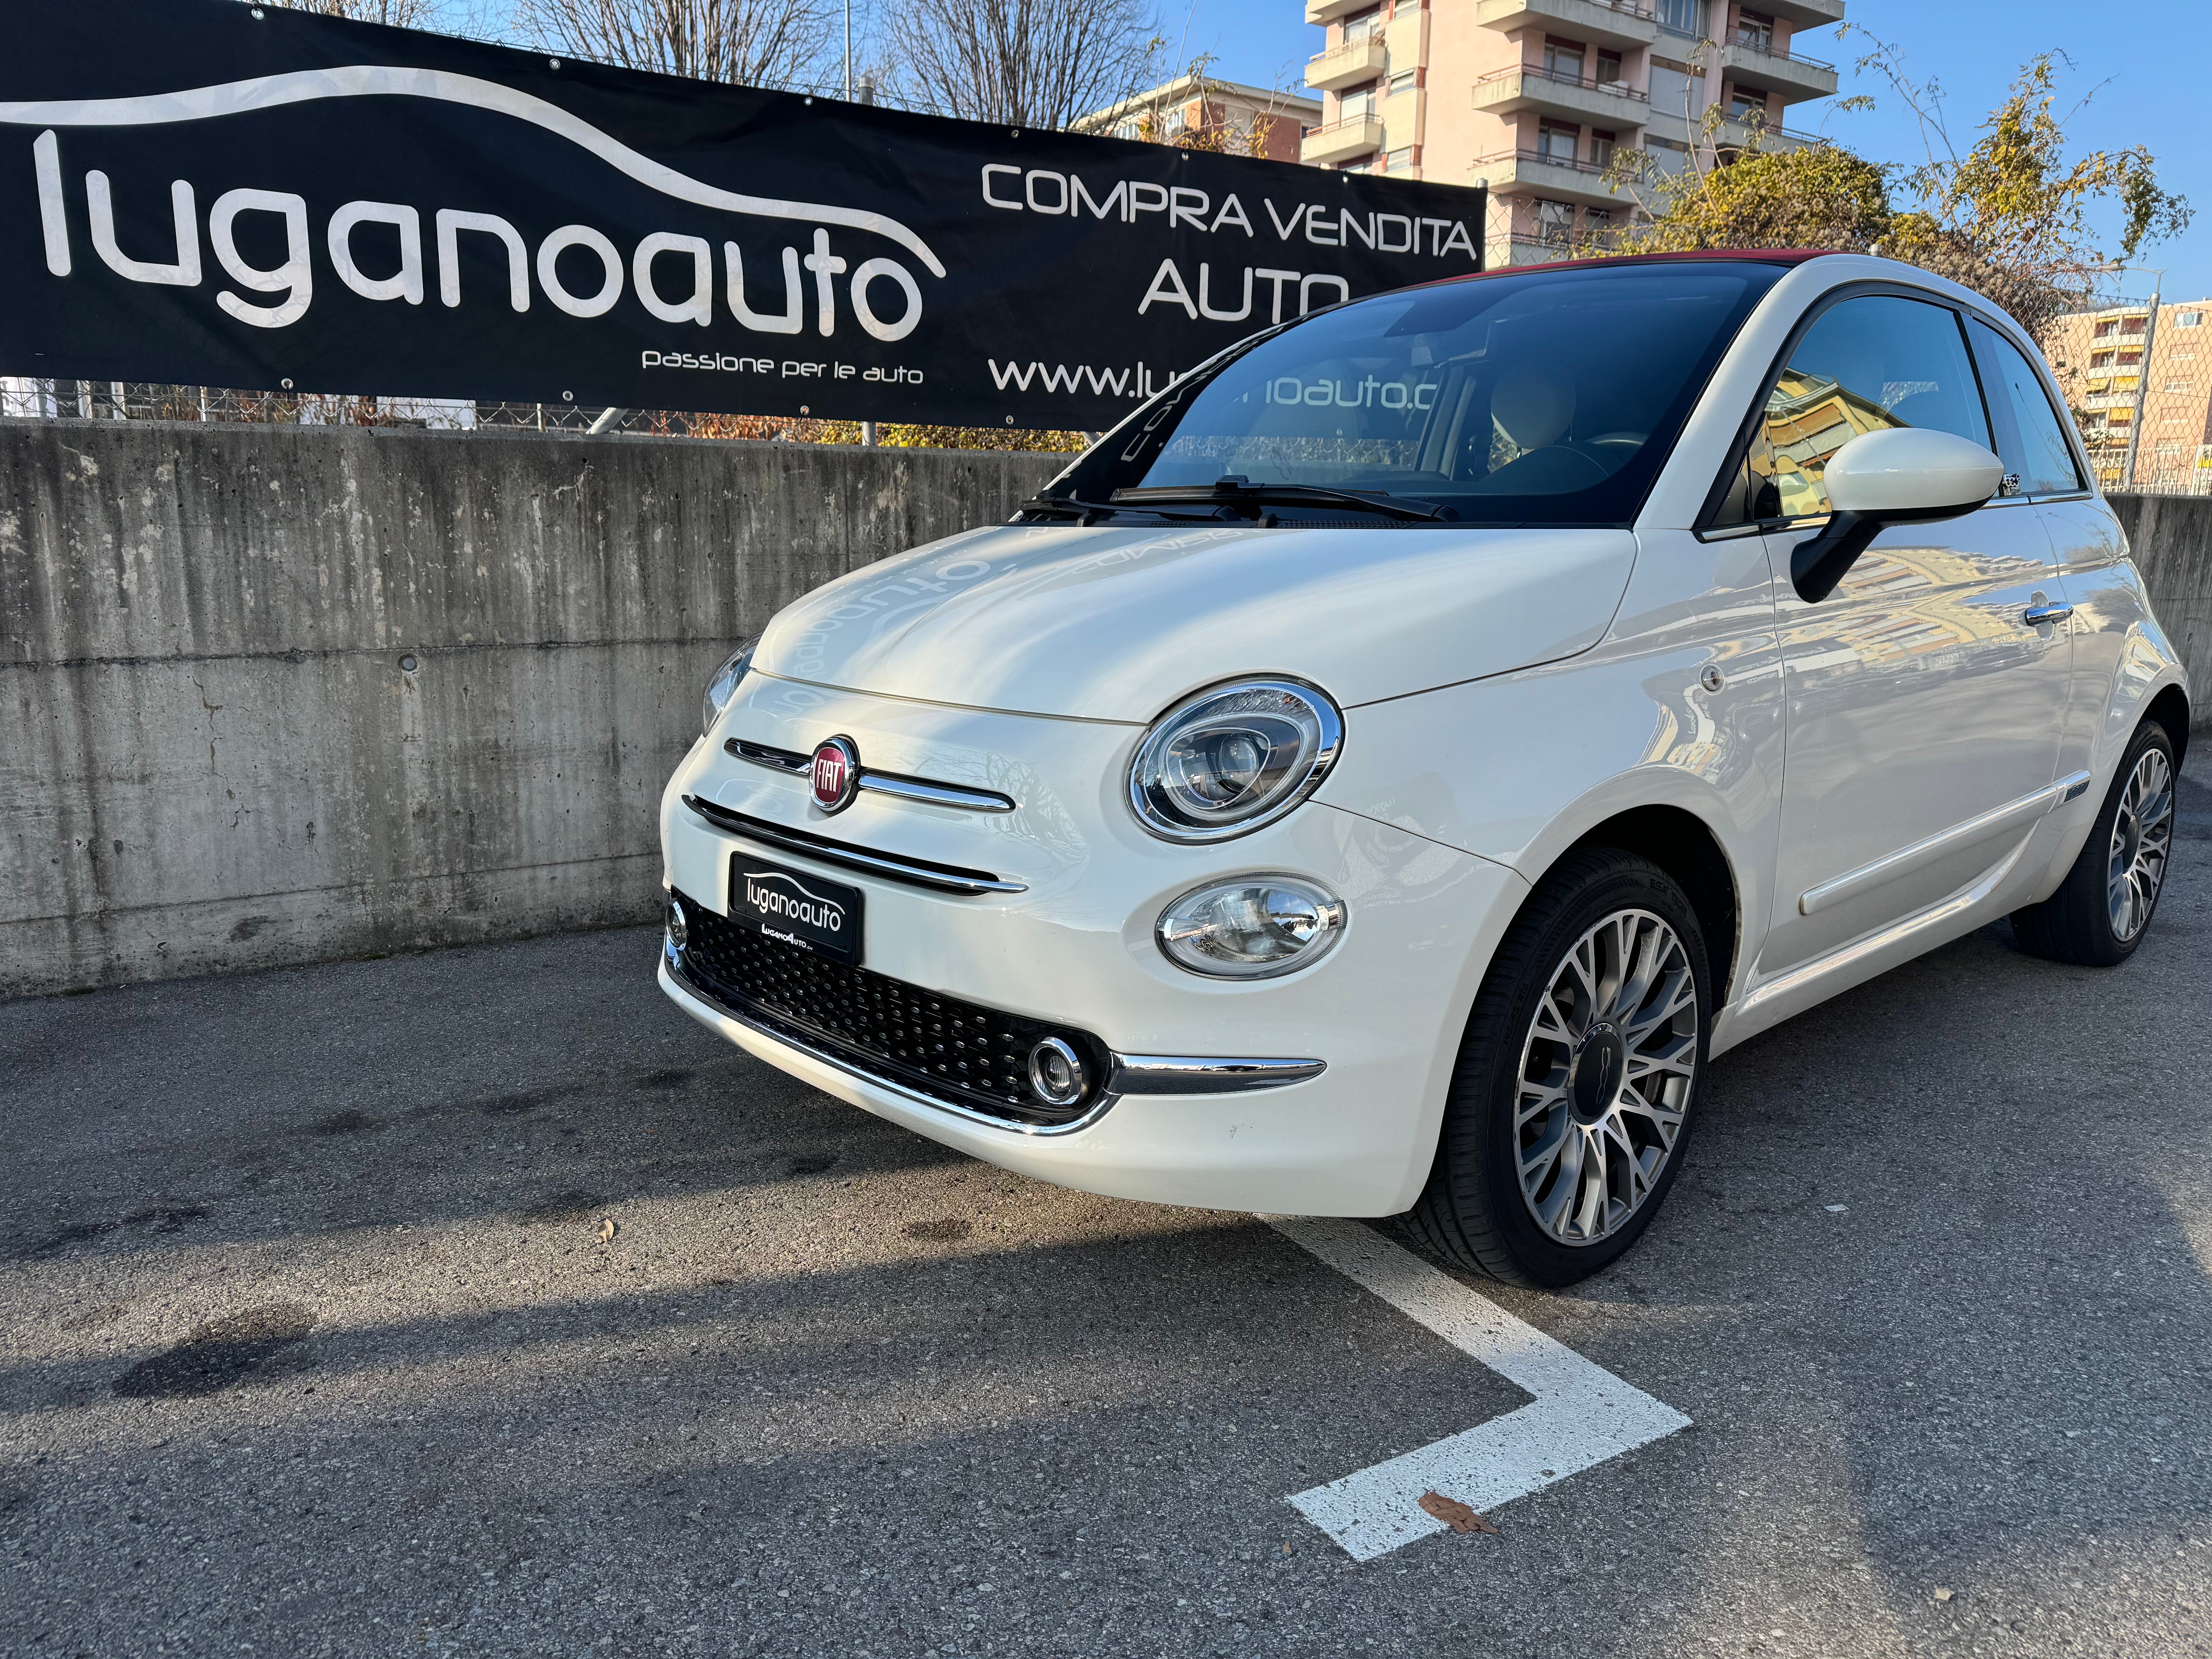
column 2037, row 616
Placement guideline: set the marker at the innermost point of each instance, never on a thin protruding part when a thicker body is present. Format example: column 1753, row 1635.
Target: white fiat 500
column 1384, row 771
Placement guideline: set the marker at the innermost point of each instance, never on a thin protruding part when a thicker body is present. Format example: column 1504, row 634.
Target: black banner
column 207, row 192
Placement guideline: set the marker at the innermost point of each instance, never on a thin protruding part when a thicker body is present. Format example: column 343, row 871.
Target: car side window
column 2031, row 442
column 1865, row 365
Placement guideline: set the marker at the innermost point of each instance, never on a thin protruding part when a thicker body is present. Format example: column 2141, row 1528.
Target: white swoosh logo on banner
column 374, row 79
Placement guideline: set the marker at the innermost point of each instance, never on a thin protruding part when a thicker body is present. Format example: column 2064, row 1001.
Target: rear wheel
column 1570, row 1108
column 2103, row 909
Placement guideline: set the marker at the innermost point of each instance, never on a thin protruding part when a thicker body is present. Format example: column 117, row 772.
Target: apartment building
column 1200, row 103
column 2144, row 385
column 1535, row 97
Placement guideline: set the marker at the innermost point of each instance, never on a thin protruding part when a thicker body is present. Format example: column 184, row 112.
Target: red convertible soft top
column 1768, row 256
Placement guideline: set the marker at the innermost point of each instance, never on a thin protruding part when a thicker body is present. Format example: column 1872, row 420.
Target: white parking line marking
column 1581, row 1415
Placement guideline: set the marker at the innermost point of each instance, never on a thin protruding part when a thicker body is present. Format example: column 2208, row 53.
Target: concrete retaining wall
column 211, row 756
column 2170, row 536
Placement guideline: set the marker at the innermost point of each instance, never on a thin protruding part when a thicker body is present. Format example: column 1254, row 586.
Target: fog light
column 1253, row 927
column 679, row 931
column 1056, row 1073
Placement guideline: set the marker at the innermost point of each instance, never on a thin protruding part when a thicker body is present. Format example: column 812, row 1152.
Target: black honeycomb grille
column 958, row 1051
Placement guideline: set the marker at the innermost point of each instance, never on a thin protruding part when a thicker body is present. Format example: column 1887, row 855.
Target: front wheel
column 2103, row 909
column 1571, row 1109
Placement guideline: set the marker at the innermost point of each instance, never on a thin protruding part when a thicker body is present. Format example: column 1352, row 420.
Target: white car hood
column 1115, row 624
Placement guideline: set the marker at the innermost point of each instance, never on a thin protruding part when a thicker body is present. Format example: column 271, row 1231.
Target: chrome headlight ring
column 1233, row 758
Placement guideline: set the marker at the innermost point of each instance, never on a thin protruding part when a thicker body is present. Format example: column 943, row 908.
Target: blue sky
column 2143, row 64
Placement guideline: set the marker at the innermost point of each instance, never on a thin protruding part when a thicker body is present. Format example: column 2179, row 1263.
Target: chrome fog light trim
column 1251, row 926
column 1056, row 1073
column 679, row 931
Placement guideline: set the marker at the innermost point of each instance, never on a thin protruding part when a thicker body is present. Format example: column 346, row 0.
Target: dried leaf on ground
column 1455, row 1514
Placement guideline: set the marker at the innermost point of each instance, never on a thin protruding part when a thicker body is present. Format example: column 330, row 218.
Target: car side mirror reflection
column 1904, row 475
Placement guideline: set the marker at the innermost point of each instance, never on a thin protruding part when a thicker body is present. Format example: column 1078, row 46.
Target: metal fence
column 141, row 400
column 2160, row 464
column 138, row 400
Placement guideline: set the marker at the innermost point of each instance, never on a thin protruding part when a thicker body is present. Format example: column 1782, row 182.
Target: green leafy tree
column 2008, row 217
column 1821, row 196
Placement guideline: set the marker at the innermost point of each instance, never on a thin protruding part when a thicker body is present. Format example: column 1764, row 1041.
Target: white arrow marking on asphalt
column 1581, row 1415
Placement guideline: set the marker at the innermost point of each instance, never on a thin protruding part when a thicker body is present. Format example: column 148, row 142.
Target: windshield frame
column 1088, row 486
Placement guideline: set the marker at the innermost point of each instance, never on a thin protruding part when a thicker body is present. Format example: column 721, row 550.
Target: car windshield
column 1548, row 397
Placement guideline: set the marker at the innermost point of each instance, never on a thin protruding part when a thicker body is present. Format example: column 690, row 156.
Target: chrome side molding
column 1905, row 859
column 1194, row 1075
column 1844, row 956
column 927, row 791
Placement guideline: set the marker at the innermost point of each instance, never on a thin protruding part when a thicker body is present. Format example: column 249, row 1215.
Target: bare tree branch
column 1039, row 63
column 748, row 43
column 399, row 13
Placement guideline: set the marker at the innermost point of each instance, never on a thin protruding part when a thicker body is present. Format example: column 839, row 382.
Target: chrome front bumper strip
column 1192, row 1074
column 1128, row 1074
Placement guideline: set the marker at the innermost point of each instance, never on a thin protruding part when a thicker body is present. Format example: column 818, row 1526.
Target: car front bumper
column 1383, row 1012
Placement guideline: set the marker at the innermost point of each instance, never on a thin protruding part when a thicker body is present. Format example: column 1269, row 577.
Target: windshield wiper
column 1238, row 495
column 1089, row 511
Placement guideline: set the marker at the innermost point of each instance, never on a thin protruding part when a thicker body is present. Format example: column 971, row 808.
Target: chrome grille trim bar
column 936, row 794
column 927, row 792
column 945, row 880
column 776, row 760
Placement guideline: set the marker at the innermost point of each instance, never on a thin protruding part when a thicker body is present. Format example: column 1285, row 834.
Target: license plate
column 798, row 908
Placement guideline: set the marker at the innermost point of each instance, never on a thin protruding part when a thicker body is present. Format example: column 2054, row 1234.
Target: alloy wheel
column 1606, row 1076
column 2142, row 835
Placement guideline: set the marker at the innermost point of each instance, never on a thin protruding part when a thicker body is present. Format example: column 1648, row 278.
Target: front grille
column 958, row 1051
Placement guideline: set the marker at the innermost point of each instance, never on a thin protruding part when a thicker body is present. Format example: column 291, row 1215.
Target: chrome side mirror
column 1905, row 474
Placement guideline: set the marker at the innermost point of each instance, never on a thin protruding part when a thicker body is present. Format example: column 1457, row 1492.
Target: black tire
column 1473, row 1211
column 2076, row 923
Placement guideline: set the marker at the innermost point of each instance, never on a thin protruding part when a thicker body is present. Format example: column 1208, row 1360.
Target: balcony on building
column 1546, row 246
column 1327, row 11
column 1621, row 23
column 1562, row 92
column 1547, row 173
column 1805, row 14
column 1748, row 63
column 1341, row 140
column 1346, row 66
column 1732, row 133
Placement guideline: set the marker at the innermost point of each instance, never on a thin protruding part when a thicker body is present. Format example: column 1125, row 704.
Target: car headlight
column 1227, row 760
column 724, row 686
column 1251, row 927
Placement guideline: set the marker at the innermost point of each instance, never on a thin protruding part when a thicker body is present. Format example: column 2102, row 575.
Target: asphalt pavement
column 479, row 1302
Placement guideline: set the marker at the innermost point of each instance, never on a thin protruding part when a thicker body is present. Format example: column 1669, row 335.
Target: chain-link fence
column 25, row 399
